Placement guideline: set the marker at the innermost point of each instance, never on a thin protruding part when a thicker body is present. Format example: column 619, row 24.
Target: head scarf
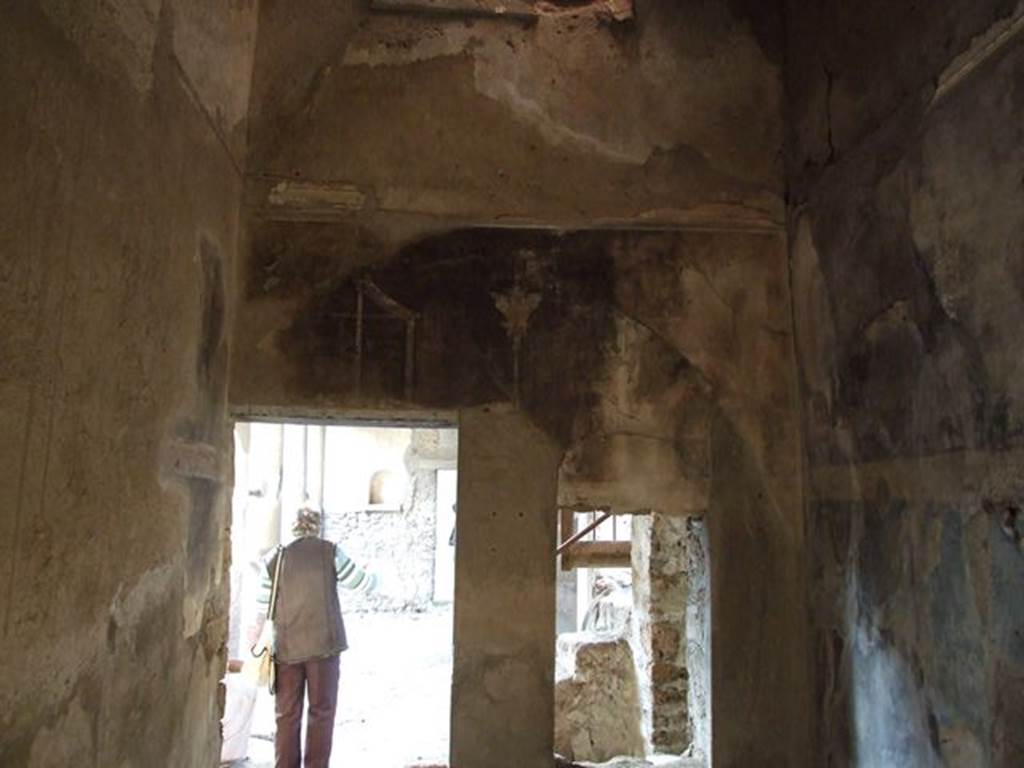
column 309, row 522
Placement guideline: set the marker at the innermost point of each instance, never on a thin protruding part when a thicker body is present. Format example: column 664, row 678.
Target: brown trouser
column 318, row 678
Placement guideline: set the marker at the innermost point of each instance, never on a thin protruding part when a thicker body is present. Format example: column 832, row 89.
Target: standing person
column 310, row 635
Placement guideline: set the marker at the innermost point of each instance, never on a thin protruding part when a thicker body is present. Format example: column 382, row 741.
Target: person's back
column 310, row 635
column 307, row 621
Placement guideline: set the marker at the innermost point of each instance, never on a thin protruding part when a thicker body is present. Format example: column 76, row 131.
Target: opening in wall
column 598, row 709
column 595, row 548
column 633, row 620
column 387, row 490
column 394, row 575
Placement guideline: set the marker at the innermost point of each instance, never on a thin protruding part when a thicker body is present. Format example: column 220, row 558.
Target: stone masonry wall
column 660, row 595
column 397, row 545
column 597, row 701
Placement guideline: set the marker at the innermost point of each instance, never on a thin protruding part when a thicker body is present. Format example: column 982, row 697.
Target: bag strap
column 272, row 609
column 330, row 585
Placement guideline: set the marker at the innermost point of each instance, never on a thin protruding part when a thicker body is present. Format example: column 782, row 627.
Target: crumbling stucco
column 597, row 698
column 674, row 116
column 660, row 597
column 380, row 144
column 119, row 235
column 659, row 363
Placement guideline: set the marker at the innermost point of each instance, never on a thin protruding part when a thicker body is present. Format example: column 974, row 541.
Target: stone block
column 597, row 702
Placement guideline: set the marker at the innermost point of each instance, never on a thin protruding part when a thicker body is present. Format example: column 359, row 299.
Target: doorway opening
column 631, row 673
column 387, row 496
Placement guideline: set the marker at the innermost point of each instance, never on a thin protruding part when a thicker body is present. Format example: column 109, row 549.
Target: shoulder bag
column 263, row 651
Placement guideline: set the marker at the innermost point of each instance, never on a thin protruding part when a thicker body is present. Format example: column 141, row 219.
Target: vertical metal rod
column 516, row 344
column 581, row 534
column 305, row 464
column 359, row 340
column 410, row 355
column 277, row 506
column 323, row 462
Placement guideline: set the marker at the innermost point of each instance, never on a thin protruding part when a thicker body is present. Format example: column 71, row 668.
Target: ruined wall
column 384, row 145
column 400, row 119
column 671, row 626
column 660, row 597
column 908, row 279
column 597, row 698
column 122, row 138
column 661, row 364
column 397, row 544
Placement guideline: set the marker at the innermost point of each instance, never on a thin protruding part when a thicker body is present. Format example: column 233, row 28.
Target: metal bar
column 359, row 339
column 566, row 528
column 382, row 300
column 580, row 534
column 323, row 462
column 305, row 464
column 410, row 356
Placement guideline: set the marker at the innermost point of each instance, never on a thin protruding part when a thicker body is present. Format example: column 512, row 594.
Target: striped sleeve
column 266, row 579
column 351, row 576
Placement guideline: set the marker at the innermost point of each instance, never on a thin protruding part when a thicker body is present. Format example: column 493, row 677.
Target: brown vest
column 307, row 619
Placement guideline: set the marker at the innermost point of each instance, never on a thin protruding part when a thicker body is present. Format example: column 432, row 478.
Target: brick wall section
column 660, row 595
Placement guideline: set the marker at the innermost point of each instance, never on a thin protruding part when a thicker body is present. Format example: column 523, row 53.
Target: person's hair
column 308, row 522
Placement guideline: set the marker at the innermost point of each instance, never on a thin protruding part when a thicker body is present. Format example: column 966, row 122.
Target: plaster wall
column 398, row 120
column 120, row 187
column 698, row 638
column 384, row 145
column 906, row 250
column 660, row 363
column 504, row 665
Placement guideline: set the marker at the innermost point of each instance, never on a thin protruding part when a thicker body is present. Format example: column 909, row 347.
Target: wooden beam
column 598, row 554
column 566, row 528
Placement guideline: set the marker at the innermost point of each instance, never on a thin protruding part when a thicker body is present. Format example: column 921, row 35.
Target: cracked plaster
column 908, row 301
